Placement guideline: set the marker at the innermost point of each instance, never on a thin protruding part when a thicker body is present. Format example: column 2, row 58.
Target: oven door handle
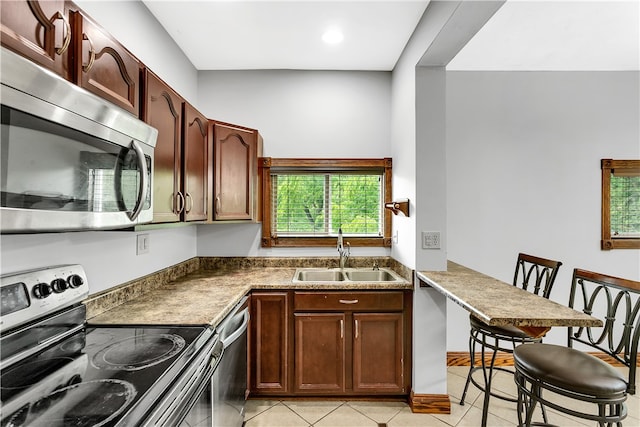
column 231, row 338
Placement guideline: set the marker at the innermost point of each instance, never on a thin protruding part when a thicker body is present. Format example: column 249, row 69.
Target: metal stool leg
column 472, row 352
column 487, row 378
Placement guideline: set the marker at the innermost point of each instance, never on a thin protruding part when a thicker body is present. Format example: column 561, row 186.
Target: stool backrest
column 618, row 301
column 535, row 274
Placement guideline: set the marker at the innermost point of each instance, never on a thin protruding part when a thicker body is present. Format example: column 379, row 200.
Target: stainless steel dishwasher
column 229, row 381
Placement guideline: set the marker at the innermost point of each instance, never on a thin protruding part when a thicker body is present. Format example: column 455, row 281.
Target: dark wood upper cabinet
column 163, row 110
column 236, row 151
column 190, row 148
column 195, row 164
column 103, row 66
column 40, row 31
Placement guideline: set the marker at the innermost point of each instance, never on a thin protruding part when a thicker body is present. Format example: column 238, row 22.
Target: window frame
column 266, row 164
column 608, row 241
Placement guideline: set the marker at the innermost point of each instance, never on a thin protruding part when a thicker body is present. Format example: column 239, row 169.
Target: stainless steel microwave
column 69, row 159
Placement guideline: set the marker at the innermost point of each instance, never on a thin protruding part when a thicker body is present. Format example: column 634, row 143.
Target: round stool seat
column 569, row 369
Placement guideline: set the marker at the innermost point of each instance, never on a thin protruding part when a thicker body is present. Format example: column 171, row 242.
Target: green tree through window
column 322, row 203
column 620, row 204
column 305, row 201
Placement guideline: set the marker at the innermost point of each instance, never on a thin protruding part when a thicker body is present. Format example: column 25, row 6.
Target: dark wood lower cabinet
column 378, row 357
column 319, row 353
column 269, row 350
column 341, row 343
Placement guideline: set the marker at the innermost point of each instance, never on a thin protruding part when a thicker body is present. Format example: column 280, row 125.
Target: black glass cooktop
column 102, row 376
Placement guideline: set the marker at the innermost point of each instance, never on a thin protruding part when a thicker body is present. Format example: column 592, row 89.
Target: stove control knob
column 59, row 285
column 75, row 281
column 41, row 290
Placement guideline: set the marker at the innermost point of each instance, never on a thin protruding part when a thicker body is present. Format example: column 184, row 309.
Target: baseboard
column 430, row 403
column 462, row 358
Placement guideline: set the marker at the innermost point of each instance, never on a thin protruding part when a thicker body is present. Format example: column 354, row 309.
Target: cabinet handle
column 356, row 328
column 179, row 202
column 189, row 199
column 341, row 328
column 218, row 204
column 67, row 37
column 92, row 54
column 348, row 301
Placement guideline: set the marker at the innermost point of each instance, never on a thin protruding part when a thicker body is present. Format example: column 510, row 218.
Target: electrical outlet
column 142, row 244
column 430, row 240
column 395, row 238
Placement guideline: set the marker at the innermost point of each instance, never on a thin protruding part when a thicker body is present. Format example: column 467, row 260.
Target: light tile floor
column 330, row 413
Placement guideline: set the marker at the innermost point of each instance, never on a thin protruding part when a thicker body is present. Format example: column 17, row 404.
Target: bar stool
column 564, row 372
column 532, row 274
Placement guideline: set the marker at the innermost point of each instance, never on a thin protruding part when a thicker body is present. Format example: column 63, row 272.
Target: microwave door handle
column 142, row 190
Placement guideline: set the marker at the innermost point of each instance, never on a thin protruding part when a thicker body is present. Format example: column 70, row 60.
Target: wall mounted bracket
column 398, row 206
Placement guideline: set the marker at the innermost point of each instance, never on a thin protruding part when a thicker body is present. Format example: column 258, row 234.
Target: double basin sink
column 346, row 275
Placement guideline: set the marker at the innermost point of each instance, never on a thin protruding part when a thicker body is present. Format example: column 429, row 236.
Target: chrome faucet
column 342, row 252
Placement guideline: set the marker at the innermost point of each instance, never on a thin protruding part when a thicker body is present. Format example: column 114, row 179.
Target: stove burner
column 28, row 374
column 75, row 344
column 138, row 352
column 91, row 403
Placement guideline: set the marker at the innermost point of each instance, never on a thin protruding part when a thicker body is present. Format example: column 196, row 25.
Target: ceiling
column 286, row 34
column 238, row 35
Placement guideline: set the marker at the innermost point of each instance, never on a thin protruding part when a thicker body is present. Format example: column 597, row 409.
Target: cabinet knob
column 218, row 203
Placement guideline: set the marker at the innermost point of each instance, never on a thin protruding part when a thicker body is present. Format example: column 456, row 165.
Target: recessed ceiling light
column 332, row 36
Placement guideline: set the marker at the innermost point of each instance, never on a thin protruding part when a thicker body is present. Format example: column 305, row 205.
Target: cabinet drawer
column 348, row 301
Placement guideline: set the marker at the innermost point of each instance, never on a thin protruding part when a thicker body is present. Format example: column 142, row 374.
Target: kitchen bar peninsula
column 498, row 303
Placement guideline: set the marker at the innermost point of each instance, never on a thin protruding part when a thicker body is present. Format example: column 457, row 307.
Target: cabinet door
column 103, row 66
column 269, row 343
column 196, row 166
column 163, row 111
column 38, row 30
column 319, row 352
column 378, row 352
column 235, row 171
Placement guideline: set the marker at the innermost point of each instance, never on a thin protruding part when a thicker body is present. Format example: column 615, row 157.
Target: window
column 306, row 201
column 620, row 204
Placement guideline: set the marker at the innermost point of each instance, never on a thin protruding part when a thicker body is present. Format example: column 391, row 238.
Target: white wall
column 108, row 257
column 305, row 113
column 299, row 114
column 523, row 173
column 419, row 135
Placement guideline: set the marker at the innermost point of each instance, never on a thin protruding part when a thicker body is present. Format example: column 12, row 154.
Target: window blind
column 320, row 203
column 625, row 205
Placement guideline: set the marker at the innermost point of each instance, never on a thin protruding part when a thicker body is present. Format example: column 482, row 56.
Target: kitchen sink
column 336, row 275
column 318, row 275
column 370, row 276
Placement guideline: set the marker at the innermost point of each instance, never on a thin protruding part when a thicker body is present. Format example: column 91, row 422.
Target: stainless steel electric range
column 55, row 370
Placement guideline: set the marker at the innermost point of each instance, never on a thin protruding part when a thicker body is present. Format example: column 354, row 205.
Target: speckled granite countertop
column 205, row 296
column 498, row 303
